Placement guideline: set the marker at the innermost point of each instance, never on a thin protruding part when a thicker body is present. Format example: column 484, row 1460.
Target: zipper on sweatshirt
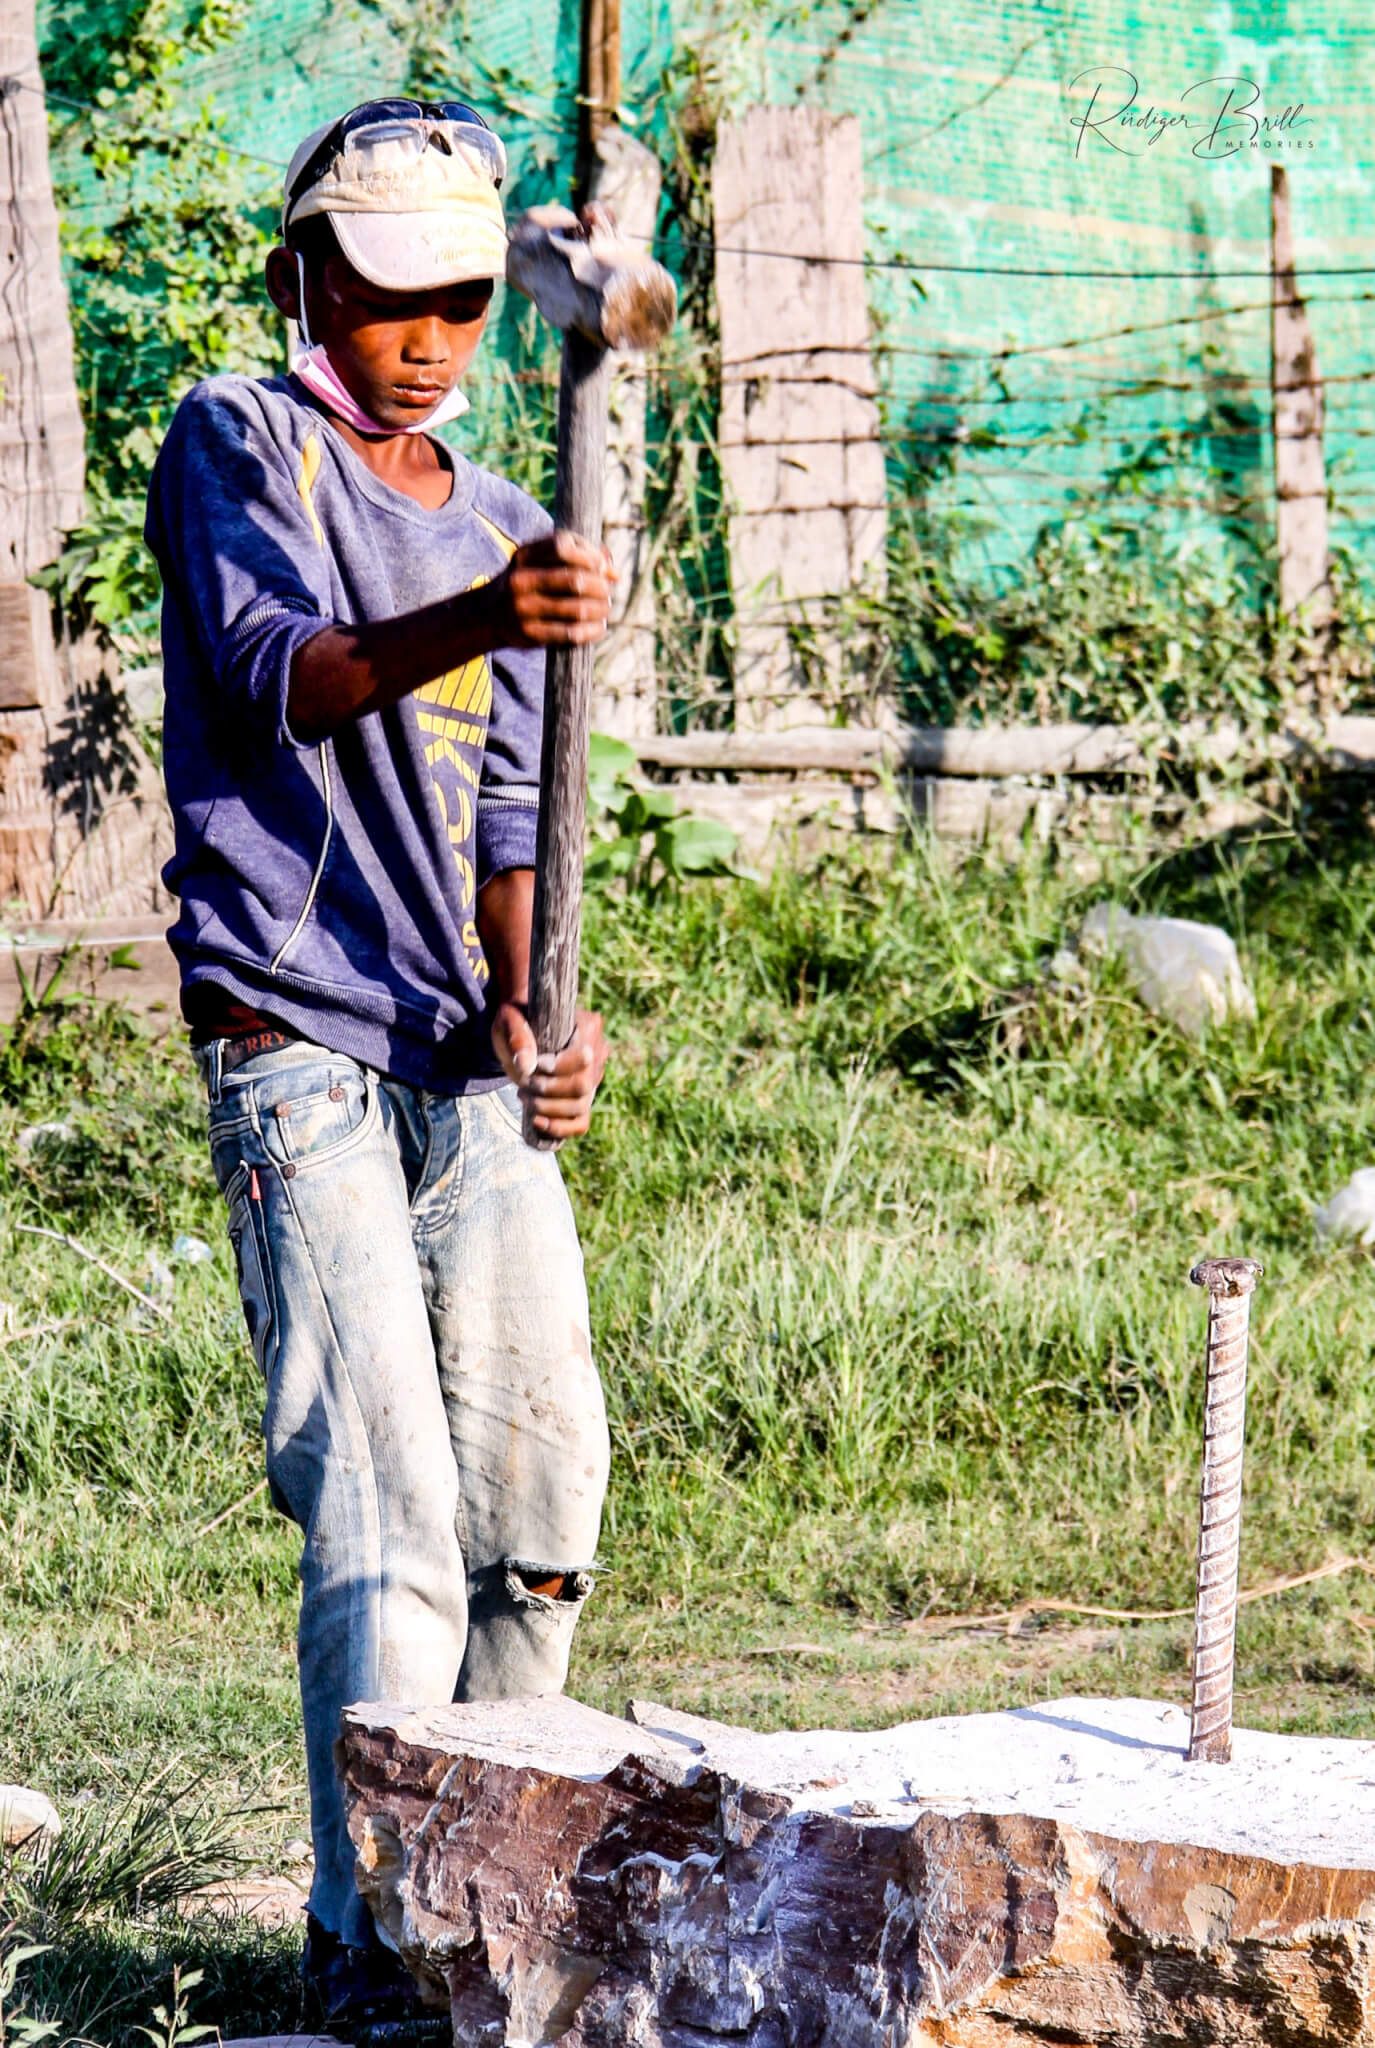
column 327, row 788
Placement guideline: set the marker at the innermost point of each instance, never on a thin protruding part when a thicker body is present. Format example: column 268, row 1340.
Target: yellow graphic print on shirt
column 305, row 485
column 453, row 713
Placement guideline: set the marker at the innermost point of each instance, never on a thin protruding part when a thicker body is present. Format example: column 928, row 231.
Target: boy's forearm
column 505, row 908
column 345, row 671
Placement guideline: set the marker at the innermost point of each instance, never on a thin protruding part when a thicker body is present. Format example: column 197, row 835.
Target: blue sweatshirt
column 332, row 884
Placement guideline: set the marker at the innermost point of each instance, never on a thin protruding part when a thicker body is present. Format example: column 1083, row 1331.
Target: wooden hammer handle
column 557, row 927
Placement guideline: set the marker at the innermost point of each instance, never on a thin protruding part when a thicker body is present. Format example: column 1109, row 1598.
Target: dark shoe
column 365, row 1995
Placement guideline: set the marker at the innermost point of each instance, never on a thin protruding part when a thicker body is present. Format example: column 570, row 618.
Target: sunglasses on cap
column 408, row 126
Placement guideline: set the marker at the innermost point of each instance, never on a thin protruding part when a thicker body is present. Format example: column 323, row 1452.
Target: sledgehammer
column 604, row 296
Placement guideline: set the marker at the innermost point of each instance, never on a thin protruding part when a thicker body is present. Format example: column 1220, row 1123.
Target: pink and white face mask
column 315, row 370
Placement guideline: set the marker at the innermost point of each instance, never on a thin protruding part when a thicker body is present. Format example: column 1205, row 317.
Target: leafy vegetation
column 639, row 834
column 886, row 1227
column 164, row 277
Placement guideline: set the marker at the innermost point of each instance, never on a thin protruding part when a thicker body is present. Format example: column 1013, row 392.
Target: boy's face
column 399, row 353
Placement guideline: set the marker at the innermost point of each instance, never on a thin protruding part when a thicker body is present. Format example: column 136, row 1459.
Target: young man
column 354, row 627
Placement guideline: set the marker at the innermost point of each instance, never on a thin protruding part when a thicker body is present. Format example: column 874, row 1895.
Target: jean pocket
column 232, row 1139
column 307, row 1115
column 257, row 1283
column 507, row 1100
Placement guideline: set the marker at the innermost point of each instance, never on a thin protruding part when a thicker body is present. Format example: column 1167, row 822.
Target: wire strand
column 914, row 265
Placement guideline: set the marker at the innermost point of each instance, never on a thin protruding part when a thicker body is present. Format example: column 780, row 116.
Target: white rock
column 33, row 1136
column 1187, row 973
column 27, row 1816
column 1349, row 1218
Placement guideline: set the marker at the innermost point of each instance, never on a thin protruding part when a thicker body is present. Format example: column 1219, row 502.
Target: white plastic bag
column 1187, row 973
column 1349, row 1218
column 193, row 1250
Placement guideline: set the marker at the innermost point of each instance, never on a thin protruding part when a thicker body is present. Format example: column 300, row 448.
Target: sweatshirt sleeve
column 508, row 797
column 241, row 552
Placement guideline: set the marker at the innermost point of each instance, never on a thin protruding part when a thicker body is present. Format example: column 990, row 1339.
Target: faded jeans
column 413, row 1289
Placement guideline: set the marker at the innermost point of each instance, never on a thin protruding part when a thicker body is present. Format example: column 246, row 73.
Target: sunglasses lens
column 379, row 110
column 400, row 135
column 399, row 126
column 454, row 110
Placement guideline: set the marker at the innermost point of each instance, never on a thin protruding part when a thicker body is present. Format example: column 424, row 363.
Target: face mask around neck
column 315, row 370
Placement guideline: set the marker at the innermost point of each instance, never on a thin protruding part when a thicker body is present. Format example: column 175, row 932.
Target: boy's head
column 393, row 234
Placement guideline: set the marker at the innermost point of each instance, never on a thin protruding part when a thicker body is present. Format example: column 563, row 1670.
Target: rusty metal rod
column 1230, row 1283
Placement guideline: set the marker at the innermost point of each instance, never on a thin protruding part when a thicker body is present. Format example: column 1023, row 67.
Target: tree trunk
column 83, row 828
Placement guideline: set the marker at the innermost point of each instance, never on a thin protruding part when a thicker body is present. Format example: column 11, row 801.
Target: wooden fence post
column 83, row 824
column 599, row 86
column 801, row 457
column 41, row 464
column 1300, row 477
column 627, row 177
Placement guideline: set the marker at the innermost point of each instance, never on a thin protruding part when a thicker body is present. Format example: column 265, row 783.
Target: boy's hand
column 556, row 592
column 559, row 1086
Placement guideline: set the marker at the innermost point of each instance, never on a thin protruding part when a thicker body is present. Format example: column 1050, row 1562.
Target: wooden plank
column 26, row 648
column 626, row 177
column 840, row 750
column 41, row 439
column 773, row 816
column 149, row 984
column 990, row 752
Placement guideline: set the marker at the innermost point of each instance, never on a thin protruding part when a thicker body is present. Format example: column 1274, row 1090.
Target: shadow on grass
column 114, row 1904
column 935, row 1054
column 101, row 1984
column 1324, row 826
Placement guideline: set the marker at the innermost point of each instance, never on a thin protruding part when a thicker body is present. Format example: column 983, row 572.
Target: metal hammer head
column 580, row 276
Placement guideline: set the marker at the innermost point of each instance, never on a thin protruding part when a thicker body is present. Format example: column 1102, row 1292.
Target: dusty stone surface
column 1060, row 1874
column 28, row 1819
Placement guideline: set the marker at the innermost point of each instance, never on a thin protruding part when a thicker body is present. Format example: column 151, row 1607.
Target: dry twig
column 232, row 1509
column 32, row 1330
column 1010, row 1619
column 93, row 1259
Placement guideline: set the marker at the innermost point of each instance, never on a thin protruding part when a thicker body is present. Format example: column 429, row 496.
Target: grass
column 887, row 1236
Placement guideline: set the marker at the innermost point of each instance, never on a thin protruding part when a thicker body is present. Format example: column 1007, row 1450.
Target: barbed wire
column 1005, row 488
column 11, row 83
column 915, row 265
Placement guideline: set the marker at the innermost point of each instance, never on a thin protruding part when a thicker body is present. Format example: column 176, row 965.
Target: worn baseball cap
column 412, row 189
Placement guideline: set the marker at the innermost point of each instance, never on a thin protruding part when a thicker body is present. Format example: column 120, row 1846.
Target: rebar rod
column 1229, row 1283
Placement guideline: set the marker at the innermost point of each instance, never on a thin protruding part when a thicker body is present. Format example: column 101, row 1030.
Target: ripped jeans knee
column 521, row 1616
